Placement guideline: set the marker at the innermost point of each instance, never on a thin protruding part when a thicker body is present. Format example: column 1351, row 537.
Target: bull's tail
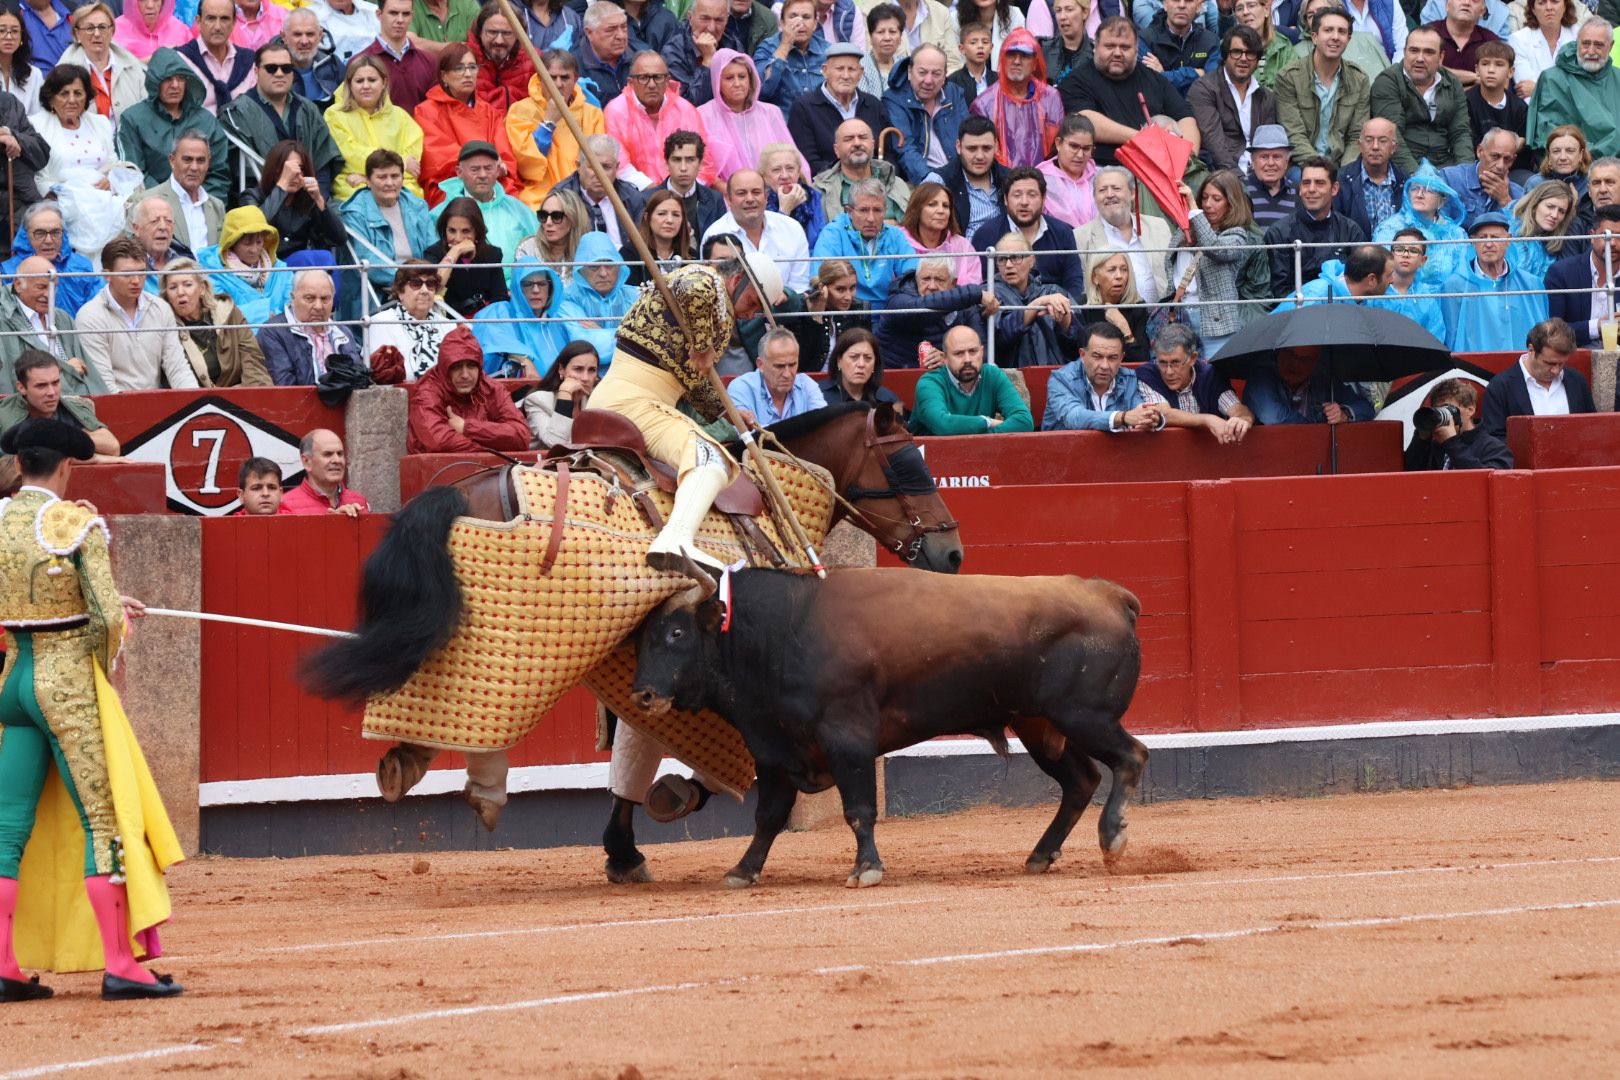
column 410, row 604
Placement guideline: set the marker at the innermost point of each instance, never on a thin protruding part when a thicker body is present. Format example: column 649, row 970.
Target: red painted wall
column 1266, row 602
column 256, row 719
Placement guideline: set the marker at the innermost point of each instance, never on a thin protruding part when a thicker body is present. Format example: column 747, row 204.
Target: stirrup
column 673, row 797
column 677, row 561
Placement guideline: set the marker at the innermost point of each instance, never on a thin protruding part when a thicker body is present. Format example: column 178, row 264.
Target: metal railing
column 370, row 298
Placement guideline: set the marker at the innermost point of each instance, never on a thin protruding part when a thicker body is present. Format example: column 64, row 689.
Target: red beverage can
column 922, row 353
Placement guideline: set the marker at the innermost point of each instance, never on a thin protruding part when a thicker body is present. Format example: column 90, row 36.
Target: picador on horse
column 445, row 593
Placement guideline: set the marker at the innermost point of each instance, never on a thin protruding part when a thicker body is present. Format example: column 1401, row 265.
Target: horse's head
column 895, row 498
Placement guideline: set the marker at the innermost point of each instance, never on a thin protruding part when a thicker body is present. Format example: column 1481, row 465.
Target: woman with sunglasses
column 452, row 115
column 117, row 76
column 563, row 220
column 409, row 324
column 362, row 119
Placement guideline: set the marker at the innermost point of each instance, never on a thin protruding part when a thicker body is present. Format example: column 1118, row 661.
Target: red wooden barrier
column 257, row 721
column 124, row 488
column 1590, row 440
column 1266, row 602
column 201, row 437
column 1096, row 457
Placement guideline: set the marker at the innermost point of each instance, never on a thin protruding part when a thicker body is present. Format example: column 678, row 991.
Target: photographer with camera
column 1445, row 436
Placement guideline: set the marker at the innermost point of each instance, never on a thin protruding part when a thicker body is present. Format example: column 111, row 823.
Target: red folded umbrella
column 1159, row 160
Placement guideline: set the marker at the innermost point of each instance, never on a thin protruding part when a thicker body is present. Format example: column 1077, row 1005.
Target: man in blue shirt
column 1483, row 186
column 1097, row 392
column 775, row 390
column 1497, row 303
column 49, row 33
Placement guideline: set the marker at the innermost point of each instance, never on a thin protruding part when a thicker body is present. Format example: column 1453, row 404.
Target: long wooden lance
column 627, row 225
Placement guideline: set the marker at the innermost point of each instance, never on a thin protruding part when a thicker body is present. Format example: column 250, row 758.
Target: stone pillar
column 845, row 546
column 374, row 426
column 1603, row 380
column 157, row 558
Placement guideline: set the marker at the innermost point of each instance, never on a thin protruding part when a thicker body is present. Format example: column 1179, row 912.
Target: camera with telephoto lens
column 1426, row 419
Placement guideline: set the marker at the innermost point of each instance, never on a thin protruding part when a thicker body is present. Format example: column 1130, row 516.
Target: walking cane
column 778, row 501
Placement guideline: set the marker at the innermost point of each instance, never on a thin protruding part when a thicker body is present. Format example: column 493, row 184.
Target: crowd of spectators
column 941, row 186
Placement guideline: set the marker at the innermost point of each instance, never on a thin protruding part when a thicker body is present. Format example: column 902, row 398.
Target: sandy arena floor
column 1449, row 933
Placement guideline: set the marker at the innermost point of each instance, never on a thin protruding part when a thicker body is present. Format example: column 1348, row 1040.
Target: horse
column 412, row 601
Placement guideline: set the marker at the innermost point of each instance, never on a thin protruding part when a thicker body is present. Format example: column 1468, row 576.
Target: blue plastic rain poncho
column 582, row 303
column 1500, row 318
column 1444, row 259
column 1419, row 304
column 540, row 342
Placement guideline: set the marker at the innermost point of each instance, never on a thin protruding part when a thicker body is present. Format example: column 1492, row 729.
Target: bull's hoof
column 398, row 771
column 864, row 879
column 738, row 878
column 488, row 811
column 1040, row 863
column 634, row 875
column 1114, row 851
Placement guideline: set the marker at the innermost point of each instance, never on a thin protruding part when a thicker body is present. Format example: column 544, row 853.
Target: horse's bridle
column 906, row 549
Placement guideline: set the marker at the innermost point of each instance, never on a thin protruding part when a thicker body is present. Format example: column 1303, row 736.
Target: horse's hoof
column 488, row 811
column 738, row 880
column 1114, row 852
column 635, row 875
column 865, row 879
column 397, row 773
column 1040, row 864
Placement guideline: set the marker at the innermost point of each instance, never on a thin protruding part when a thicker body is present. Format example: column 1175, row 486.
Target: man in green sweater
column 963, row 397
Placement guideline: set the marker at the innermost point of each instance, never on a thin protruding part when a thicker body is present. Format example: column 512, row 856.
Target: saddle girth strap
column 755, row 542
column 559, row 519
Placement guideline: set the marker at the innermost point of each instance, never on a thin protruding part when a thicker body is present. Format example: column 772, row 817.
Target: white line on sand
column 662, row 920
column 921, row 961
column 1190, row 882
column 957, row 958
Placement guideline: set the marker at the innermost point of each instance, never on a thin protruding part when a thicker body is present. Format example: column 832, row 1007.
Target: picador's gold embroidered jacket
column 650, row 333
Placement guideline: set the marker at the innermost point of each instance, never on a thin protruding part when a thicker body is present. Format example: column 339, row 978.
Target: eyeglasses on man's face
column 650, row 80
column 277, row 69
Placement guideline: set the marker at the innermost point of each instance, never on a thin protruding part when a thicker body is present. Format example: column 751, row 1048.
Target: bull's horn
column 704, row 580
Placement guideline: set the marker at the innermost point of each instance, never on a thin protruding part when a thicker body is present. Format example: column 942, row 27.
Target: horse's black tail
column 410, row 604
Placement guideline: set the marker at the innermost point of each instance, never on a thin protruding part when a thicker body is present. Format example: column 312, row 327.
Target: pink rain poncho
column 736, row 138
column 130, row 30
column 1028, row 124
column 642, row 135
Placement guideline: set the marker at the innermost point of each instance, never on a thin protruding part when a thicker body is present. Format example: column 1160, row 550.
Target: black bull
column 821, row 677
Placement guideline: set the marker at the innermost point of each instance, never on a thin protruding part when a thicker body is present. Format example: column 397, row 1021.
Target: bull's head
column 672, row 650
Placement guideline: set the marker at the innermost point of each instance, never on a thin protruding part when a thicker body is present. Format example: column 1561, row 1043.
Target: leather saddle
column 601, row 429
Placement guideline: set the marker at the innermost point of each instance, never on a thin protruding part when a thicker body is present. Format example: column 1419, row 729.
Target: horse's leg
column 486, row 785
column 625, row 865
column 1077, row 776
column 776, row 794
column 630, row 774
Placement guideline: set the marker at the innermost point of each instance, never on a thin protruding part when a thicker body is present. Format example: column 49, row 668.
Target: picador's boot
column 13, row 985
column 674, row 544
column 125, row 979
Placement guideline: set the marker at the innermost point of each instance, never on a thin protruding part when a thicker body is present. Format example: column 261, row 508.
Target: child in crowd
column 976, row 75
column 1492, row 102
